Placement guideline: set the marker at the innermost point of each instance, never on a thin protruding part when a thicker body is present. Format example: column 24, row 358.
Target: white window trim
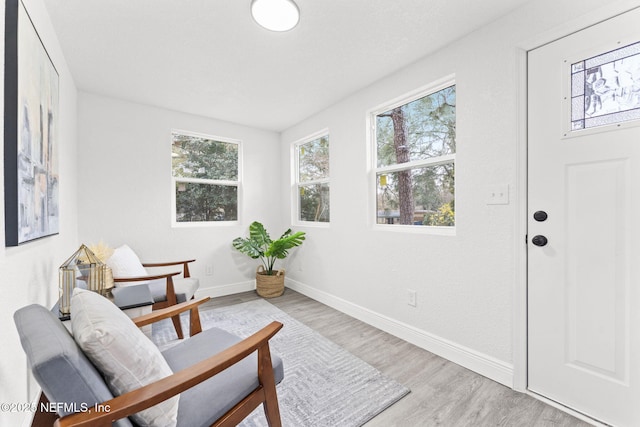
column 432, row 161
column 295, row 180
column 372, row 159
column 174, row 181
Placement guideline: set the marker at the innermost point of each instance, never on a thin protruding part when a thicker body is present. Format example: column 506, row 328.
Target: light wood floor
column 442, row 393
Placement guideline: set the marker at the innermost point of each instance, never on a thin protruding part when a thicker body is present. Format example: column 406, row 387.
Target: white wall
column 29, row 272
column 465, row 283
column 125, row 188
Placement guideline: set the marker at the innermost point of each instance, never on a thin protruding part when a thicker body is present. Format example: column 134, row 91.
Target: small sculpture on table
column 83, row 269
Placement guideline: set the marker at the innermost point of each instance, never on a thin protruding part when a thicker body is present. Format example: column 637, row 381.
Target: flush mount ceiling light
column 275, row 15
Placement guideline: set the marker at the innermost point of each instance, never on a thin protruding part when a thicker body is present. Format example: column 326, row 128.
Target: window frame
column 230, row 183
column 374, row 169
column 296, row 183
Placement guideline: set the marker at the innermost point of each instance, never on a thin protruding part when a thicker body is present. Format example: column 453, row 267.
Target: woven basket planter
column 269, row 286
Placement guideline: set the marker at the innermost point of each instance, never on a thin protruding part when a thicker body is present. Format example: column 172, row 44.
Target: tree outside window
column 205, row 177
column 415, row 161
column 312, row 160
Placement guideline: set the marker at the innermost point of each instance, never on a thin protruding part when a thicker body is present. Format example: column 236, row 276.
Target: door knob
column 539, row 240
column 540, row 216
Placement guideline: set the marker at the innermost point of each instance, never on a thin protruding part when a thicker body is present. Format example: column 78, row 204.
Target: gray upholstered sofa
column 213, row 392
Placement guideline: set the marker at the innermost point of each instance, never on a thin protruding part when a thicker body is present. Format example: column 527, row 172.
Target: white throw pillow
column 122, row 353
column 125, row 263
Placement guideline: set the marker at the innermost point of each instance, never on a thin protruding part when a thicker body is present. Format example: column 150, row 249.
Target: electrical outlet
column 412, row 297
column 208, row 271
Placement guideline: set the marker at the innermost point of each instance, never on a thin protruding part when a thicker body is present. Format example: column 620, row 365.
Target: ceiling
column 209, row 58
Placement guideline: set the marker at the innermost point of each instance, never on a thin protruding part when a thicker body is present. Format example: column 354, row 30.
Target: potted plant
column 269, row 282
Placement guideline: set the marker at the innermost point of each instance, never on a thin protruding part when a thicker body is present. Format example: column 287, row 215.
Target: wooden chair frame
column 171, row 293
column 154, row 393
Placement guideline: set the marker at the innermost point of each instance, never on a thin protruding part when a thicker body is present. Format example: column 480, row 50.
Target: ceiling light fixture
column 275, row 15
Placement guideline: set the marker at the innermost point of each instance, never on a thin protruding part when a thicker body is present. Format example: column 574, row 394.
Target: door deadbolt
column 540, row 216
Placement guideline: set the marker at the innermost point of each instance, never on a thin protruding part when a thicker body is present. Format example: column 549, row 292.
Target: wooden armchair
column 167, row 289
column 66, row 375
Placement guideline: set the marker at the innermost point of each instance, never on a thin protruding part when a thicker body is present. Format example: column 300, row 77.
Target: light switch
column 498, row 195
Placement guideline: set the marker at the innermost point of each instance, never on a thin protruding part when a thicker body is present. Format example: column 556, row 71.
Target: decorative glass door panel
column 605, row 89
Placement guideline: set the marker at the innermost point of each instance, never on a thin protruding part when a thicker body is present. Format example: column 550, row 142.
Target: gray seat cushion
column 205, row 403
column 184, row 287
column 58, row 364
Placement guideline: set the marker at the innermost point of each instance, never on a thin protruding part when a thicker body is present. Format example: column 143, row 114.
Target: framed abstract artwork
column 31, row 110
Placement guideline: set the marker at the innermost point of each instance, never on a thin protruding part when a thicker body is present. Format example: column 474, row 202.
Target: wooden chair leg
column 178, row 326
column 195, row 327
column 42, row 419
column 266, row 378
column 171, row 300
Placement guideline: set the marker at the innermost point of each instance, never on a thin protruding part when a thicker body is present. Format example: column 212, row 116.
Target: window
column 604, row 88
column 312, row 178
column 414, row 162
column 205, row 178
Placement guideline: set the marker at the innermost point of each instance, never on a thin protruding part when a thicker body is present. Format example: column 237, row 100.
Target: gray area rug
column 324, row 385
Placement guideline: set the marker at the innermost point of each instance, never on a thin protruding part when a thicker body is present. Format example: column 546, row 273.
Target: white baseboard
column 219, row 291
column 483, row 364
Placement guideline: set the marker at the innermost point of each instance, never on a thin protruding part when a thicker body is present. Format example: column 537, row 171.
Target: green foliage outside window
column 206, row 202
column 314, row 202
column 422, row 132
column 313, row 159
column 206, row 178
column 313, row 180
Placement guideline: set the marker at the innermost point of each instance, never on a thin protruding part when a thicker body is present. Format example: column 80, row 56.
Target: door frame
column 519, row 319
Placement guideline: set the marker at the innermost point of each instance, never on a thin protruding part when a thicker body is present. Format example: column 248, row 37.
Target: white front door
column 584, row 221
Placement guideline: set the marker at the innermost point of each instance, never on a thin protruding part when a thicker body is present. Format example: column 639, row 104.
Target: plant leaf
column 248, row 247
column 280, row 248
column 259, row 234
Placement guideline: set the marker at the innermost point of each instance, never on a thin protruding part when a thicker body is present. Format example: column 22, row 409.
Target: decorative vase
column 269, row 286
